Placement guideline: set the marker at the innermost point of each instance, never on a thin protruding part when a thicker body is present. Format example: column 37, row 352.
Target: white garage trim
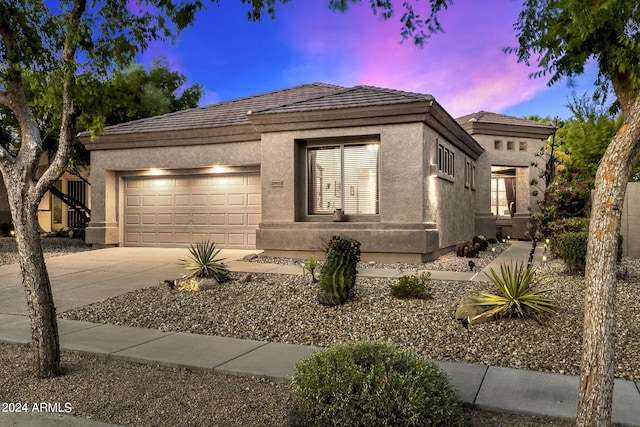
column 176, row 211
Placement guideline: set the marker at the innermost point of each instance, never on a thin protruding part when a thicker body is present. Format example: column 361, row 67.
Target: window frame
column 446, row 162
column 342, row 144
column 470, row 174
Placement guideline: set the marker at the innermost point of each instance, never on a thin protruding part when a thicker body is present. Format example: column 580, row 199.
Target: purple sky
column 464, row 68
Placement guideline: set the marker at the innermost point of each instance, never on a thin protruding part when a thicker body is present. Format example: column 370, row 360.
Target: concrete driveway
column 82, row 278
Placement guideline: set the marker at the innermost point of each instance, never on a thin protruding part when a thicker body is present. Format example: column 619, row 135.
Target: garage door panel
column 165, row 200
column 253, row 180
column 182, row 200
column 165, row 238
column 184, row 210
column 236, row 199
column 132, row 201
column 199, row 200
column 132, row 219
column 218, row 199
column 253, row 219
column 200, row 219
column 165, row 218
column 148, row 201
column 218, row 219
column 132, row 237
column 149, row 238
column 237, row 180
column 182, row 238
column 237, row 239
column 254, row 199
column 236, row 219
column 149, row 219
column 200, row 182
column 132, row 184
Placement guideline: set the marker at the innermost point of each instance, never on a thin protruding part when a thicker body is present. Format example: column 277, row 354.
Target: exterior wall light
column 219, row 169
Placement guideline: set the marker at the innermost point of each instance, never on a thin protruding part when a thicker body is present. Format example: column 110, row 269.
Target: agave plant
column 517, row 294
column 203, row 262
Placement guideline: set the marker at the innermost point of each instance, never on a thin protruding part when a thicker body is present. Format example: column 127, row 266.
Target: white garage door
column 179, row 211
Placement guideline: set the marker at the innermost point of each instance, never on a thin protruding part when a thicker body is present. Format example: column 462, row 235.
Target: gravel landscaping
column 284, row 309
column 146, row 395
column 51, row 246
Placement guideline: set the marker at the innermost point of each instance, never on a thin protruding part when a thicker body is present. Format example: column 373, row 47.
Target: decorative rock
column 467, row 312
column 205, row 284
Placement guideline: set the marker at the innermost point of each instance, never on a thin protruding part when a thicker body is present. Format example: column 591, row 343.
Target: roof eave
column 508, row 130
column 199, row 136
column 439, row 119
column 338, row 117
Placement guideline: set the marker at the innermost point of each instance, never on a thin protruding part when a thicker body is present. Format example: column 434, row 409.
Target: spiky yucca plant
column 203, row 262
column 517, row 294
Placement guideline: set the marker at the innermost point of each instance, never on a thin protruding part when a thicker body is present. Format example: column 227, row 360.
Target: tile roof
column 358, row 96
column 226, row 113
column 308, row 97
column 502, row 119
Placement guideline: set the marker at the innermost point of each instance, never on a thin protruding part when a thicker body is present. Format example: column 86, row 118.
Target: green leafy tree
column 138, row 93
column 49, row 54
column 586, row 135
column 560, row 37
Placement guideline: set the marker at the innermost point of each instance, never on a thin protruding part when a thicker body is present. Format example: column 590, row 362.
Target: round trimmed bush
column 374, row 384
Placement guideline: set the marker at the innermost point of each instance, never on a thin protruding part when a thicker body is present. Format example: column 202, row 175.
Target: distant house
column 53, row 213
column 270, row 171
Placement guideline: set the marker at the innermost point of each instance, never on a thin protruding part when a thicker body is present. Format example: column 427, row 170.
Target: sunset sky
column 464, row 68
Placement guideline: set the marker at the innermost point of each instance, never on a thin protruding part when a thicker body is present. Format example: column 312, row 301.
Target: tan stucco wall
column 630, row 226
column 419, row 214
column 450, row 203
column 106, row 166
column 525, row 202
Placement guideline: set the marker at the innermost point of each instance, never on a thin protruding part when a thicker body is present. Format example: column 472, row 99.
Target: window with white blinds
column 343, row 177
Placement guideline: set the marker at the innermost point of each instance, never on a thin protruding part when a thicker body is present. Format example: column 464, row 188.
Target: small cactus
column 468, row 249
column 338, row 275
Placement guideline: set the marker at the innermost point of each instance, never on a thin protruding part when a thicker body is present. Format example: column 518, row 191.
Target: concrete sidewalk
column 80, row 279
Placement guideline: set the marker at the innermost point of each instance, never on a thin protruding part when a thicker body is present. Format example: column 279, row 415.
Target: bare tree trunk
column 598, row 342
column 35, row 278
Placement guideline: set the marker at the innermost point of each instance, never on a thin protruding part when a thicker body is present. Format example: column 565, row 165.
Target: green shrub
column 338, row 274
column 572, row 248
column 412, row 286
column 516, row 294
column 203, row 262
column 568, row 225
column 374, row 384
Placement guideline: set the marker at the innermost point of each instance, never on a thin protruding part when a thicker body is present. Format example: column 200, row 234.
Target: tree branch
column 69, row 108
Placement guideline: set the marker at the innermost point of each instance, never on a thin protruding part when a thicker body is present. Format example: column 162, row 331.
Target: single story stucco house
column 270, row 171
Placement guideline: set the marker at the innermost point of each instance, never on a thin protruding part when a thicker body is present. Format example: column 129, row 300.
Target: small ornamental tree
column 47, row 51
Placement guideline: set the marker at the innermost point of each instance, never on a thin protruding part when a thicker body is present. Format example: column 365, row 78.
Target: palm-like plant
column 517, row 294
column 203, row 262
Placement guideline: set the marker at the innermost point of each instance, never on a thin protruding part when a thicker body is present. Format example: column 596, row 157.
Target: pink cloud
column 464, row 68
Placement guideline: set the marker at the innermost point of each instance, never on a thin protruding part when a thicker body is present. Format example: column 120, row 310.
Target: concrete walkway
column 83, row 278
